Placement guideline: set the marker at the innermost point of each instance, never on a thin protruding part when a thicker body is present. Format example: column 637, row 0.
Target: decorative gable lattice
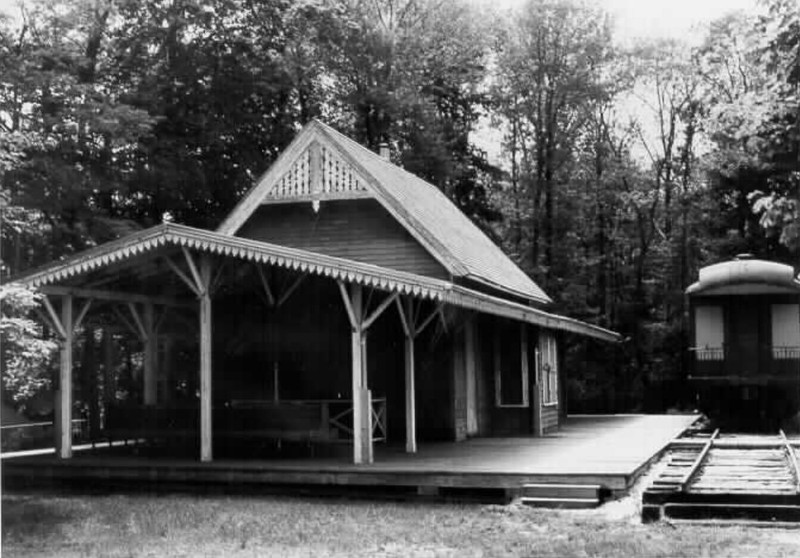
column 318, row 173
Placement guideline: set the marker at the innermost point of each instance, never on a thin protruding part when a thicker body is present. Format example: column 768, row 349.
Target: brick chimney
column 383, row 150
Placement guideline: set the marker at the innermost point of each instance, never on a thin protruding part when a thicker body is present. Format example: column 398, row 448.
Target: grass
column 182, row 525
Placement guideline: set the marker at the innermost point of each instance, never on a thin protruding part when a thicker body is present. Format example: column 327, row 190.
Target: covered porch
column 284, row 355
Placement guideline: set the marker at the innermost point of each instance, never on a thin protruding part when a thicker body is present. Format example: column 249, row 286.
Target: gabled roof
column 428, row 215
column 161, row 239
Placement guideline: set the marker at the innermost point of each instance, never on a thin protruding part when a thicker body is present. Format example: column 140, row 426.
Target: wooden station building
column 343, row 300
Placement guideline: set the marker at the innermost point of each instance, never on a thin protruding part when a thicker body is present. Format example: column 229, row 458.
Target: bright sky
column 667, row 18
column 634, row 18
column 658, row 18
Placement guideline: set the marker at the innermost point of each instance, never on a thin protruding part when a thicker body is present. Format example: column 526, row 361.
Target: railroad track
column 727, row 476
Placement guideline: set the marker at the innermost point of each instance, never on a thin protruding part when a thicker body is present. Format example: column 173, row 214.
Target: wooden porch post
column 471, row 372
column 362, row 404
column 536, row 392
column 109, row 381
column 362, row 396
column 150, row 356
column 411, row 404
column 206, row 453
column 411, row 329
column 199, row 282
column 63, row 415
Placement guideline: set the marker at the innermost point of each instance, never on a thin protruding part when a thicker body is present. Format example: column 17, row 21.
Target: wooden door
column 745, row 339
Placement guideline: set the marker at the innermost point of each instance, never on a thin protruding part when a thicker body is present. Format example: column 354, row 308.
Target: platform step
column 556, row 490
column 566, row 503
column 750, row 512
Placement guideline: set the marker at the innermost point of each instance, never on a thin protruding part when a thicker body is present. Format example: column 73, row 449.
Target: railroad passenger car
column 745, row 328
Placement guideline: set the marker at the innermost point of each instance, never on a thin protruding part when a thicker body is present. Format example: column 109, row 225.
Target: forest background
column 620, row 171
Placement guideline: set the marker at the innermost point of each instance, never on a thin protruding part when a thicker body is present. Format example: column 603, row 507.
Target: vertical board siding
column 549, row 418
column 360, row 230
column 459, row 388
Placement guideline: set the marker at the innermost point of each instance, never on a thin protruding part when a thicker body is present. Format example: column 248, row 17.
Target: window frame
column 497, row 363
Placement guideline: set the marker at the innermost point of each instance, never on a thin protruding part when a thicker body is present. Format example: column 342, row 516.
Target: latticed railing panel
column 338, row 176
column 318, row 173
column 297, row 180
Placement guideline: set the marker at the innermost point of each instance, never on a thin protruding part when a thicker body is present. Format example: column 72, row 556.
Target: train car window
column 785, row 331
column 709, row 333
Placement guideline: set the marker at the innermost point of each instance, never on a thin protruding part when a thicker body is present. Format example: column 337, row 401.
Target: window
column 785, row 331
column 709, row 333
column 510, row 364
column 548, row 367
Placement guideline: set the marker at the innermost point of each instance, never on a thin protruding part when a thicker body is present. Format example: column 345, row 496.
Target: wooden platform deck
column 609, row 450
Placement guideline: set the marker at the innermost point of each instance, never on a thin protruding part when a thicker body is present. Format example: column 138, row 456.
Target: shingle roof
column 450, row 236
column 435, row 216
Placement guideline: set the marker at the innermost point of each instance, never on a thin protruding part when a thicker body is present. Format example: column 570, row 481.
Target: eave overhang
column 170, row 235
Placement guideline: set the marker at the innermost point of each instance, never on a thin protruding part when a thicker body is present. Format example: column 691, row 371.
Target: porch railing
column 328, row 420
column 339, row 413
column 786, row 353
column 705, row 354
column 34, row 435
column 342, row 420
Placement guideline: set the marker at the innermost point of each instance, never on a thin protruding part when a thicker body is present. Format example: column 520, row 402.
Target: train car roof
column 745, row 275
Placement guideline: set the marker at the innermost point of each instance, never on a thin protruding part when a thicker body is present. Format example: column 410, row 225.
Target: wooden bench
column 298, row 421
column 175, row 423
column 308, row 420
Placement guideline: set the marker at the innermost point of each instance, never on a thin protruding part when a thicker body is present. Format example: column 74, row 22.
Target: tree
column 753, row 105
column 550, row 62
column 409, row 73
column 25, row 352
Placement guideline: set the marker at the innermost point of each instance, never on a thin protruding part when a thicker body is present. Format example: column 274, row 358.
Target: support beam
column 206, row 453
column 125, row 321
column 348, row 306
column 216, row 283
column 523, row 362
column 63, row 415
column 82, row 314
column 112, row 296
column 471, row 365
column 369, row 320
column 410, row 395
column 55, row 320
column 433, row 315
column 442, row 318
column 137, row 320
column 536, row 391
column 199, row 282
column 183, row 277
column 265, row 284
column 362, row 398
column 150, row 356
column 407, row 329
column 288, row 292
column 109, row 380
